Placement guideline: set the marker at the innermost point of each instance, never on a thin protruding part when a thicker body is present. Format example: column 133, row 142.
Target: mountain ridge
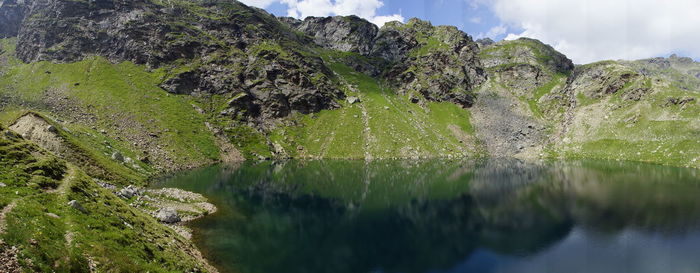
column 264, row 82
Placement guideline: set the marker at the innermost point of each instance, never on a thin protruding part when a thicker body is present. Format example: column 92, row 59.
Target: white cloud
column 475, row 20
column 493, row 32
column 383, row 19
column 303, row 8
column 593, row 30
column 258, row 3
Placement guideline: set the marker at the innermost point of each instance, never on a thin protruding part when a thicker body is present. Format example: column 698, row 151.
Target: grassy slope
column 648, row 130
column 382, row 125
column 609, row 126
column 53, row 237
column 124, row 100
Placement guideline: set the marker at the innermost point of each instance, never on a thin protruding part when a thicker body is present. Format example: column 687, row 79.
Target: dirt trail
column 7, row 209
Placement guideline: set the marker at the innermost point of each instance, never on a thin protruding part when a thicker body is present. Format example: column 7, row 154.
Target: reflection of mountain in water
column 400, row 216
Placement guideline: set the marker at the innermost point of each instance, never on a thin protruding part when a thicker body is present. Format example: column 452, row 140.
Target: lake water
column 448, row 216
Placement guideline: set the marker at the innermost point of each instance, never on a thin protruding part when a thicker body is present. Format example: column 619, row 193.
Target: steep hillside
column 96, row 97
column 643, row 110
column 110, row 108
column 56, row 218
column 617, row 113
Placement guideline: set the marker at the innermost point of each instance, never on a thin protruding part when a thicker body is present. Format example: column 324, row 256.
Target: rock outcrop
column 524, row 64
column 605, row 78
column 11, row 15
column 525, row 51
column 418, row 51
column 344, row 33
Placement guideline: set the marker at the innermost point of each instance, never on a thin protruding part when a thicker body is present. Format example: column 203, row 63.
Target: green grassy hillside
column 380, row 125
column 644, row 110
column 41, row 232
column 661, row 124
column 109, row 107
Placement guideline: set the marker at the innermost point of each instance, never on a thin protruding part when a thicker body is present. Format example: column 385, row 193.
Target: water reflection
column 449, row 216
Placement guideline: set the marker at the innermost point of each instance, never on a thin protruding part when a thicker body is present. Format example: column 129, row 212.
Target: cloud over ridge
column 594, row 30
column 303, row 8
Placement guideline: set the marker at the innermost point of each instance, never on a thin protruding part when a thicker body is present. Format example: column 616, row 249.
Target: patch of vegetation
column 249, row 141
column 534, row 102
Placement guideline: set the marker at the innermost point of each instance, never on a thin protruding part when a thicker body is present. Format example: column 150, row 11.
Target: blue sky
column 473, row 19
column 585, row 30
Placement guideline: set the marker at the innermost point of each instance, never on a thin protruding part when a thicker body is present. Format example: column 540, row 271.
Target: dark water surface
column 448, row 216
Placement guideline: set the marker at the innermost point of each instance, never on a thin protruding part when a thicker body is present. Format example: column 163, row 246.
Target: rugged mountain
column 11, row 14
column 205, row 47
column 536, row 103
column 509, row 110
column 231, row 81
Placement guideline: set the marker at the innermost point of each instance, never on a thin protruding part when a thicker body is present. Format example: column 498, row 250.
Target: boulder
column 76, row 205
column 353, row 100
column 128, row 192
column 168, row 215
column 118, row 156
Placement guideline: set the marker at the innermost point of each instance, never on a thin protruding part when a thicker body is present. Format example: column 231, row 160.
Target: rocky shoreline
column 171, row 207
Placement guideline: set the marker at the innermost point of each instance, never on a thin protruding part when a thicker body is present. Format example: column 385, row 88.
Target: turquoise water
column 448, row 216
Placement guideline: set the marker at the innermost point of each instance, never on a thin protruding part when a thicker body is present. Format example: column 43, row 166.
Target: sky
column 584, row 30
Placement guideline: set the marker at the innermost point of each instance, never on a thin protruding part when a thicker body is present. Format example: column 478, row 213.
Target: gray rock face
column 523, row 78
column 168, row 216
column 679, row 101
column 484, row 42
column 344, row 33
column 11, row 15
column 418, row 51
column 662, row 63
column 597, row 80
column 526, row 51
